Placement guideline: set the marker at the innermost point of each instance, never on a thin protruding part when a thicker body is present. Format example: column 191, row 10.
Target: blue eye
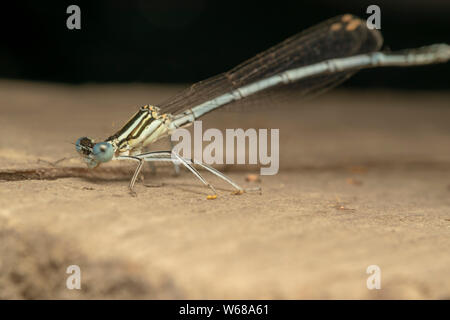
column 103, row 151
column 84, row 145
column 78, row 144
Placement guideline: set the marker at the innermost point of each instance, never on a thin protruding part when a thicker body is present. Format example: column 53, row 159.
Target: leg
column 55, row 163
column 164, row 156
column 176, row 167
column 170, row 156
column 167, row 156
column 134, row 154
column 222, row 176
column 135, row 175
column 197, row 174
column 219, row 174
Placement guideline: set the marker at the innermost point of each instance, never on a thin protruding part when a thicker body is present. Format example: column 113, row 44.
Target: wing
column 338, row 37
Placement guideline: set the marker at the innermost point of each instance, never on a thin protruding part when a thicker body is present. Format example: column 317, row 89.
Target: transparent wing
column 341, row 36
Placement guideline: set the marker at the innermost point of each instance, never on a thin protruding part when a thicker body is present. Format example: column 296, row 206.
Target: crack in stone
column 63, row 172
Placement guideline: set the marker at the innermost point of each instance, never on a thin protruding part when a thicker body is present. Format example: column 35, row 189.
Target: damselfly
column 309, row 62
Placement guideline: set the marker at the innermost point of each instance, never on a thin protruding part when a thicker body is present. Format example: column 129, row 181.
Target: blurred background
column 364, row 174
column 169, row 41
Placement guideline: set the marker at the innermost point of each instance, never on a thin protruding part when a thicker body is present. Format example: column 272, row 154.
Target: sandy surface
column 364, row 180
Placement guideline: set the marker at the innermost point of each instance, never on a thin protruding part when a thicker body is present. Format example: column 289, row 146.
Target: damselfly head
column 94, row 153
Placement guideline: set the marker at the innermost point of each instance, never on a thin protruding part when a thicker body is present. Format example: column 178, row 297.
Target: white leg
column 176, row 166
column 167, row 156
column 136, row 172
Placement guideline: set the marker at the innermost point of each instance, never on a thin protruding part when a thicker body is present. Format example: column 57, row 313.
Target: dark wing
column 338, row 37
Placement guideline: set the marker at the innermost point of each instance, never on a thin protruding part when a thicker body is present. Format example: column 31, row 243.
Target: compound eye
column 84, row 145
column 103, row 151
column 78, row 145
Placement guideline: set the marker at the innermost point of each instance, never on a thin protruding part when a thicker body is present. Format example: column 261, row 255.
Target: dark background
column 186, row 41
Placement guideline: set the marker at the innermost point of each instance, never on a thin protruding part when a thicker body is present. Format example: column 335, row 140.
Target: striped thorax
column 145, row 127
